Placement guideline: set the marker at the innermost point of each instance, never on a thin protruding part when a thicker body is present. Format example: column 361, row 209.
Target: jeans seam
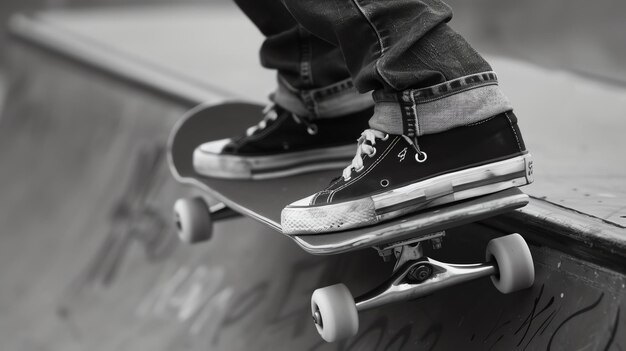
column 309, row 102
column 490, row 79
column 462, row 90
column 408, row 113
column 380, row 44
column 371, row 24
column 321, row 102
column 333, row 89
column 306, row 54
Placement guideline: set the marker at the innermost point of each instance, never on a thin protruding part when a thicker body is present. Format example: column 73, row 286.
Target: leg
column 312, row 77
column 317, row 112
column 398, row 48
column 442, row 130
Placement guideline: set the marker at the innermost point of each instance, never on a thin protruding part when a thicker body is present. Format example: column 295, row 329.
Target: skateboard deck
column 333, row 308
column 263, row 200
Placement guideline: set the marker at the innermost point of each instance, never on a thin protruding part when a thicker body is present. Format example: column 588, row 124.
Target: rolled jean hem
column 334, row 100
column 435, row 109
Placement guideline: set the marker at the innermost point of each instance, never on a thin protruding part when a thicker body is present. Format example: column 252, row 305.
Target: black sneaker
column 392, row 175
column 283, row 144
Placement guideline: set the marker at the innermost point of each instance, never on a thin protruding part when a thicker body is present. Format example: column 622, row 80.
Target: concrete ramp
column 89, row 259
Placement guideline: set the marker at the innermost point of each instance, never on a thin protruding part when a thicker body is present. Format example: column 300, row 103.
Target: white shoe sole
column 301, row 218
column 263, row 167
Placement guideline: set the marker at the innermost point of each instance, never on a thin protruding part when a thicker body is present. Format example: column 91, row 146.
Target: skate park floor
column 88, row 254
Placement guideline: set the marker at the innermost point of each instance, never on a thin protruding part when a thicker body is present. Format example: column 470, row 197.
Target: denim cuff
column 441, row 107
column 334, row 100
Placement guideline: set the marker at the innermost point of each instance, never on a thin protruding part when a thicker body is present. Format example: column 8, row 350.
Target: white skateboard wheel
column 515, row 263
column 193, row 221
column 334, row 312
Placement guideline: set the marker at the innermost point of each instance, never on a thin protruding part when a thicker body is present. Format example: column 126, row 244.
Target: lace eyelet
column 421, row 159
column 359, row 170
column 372, row 154
column 385, row 138
column 312, row 129
column 384, row 183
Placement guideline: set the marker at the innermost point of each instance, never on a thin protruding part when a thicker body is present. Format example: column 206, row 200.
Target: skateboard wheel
column 334, row 312
column 192, row 218
column 514, row 261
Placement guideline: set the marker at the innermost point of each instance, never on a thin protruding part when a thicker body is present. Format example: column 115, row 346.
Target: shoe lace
column 270, row 115
column 366, row 146
column 366, row 143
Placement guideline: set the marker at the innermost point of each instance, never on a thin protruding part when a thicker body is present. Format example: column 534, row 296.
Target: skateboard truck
column 405, row 248
column 508, row 262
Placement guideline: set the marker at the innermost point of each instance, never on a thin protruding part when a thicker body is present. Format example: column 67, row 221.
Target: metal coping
column 579, row 234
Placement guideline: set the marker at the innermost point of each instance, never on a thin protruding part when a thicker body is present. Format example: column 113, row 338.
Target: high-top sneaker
column 283, row 144
column 392, row 175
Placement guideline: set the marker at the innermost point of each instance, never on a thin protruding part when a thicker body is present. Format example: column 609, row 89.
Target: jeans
column 424, row 77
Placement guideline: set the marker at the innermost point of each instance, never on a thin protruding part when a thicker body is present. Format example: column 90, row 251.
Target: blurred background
column 578, row 35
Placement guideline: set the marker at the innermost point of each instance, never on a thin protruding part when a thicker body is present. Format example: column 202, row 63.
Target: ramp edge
column 546, row 224
column 36, row 31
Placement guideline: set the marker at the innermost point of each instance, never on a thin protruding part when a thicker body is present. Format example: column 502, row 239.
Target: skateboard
column 334, row 310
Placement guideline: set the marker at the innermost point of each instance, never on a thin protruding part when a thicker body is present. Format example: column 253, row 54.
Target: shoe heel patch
column 528, row 163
